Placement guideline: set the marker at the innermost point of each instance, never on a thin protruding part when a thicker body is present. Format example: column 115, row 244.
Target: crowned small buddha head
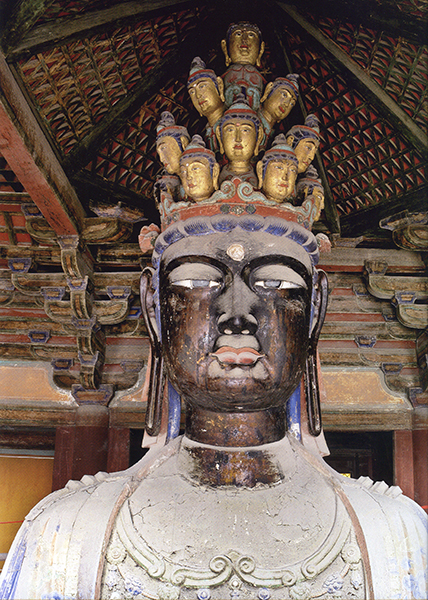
column 239, row 135
column 243, row 44
column 277, row 171
column 206, row 91
column 279, row 98
column 199, row 170
column 305, row 140
column 171, row 140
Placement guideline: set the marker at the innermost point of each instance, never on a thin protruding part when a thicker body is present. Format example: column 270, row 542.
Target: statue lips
column 227, row 356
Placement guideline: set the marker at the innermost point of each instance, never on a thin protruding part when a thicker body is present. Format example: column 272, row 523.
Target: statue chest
column 176, row 539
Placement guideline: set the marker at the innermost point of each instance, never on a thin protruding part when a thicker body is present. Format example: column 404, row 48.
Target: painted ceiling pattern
column 76, row 84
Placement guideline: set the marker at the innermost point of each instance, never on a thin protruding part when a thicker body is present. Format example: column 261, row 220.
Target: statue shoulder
column 395, row 530
column 65, row 534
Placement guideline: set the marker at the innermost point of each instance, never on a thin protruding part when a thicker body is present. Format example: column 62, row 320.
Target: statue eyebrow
column 286, row 261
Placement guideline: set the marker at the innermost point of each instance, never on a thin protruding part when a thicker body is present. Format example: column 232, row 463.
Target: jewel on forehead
column 236, row 252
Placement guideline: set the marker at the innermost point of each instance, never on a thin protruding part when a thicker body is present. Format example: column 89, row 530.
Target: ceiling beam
column 32, row 159
column 67, row 29
column 382, row 15
column 363, row 82
column 164, row 72
column 366, row 221
column 21, row 21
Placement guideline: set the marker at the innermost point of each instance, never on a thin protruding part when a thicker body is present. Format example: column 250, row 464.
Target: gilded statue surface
column 242, row 504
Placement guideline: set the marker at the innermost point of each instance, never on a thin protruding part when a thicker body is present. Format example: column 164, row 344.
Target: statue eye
column 196, row 283
column 276, row 284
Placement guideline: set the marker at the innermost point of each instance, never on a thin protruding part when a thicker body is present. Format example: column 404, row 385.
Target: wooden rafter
column 165, row 71
column 33, row 161
column 364, row 83
column 66, row 29
column 382, row 15
column 367, row 220
column 21, row 21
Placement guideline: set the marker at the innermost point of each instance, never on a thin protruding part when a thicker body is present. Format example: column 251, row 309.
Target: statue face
column 305, row 152
column 279, row 180
column 279, row 103
column 235, row 318
column 169, row 154
column 239, row 138
column 318, row 194
column 244, row 46
column 205, row 96
column 197, row 179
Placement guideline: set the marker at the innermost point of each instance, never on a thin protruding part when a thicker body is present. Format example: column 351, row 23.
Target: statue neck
column 235, row 430
column 215, row 116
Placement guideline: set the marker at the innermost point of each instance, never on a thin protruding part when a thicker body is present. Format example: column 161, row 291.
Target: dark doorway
column 357, row 454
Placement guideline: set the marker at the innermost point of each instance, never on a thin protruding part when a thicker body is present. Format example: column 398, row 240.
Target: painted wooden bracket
column 409, row 230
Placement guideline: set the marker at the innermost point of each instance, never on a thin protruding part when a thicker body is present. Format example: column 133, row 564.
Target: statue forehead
column 255, row 244
column 166, row 139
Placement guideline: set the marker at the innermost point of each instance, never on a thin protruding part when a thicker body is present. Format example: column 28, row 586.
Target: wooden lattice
column 73, row 86
column 366, row 160
column 399, row 67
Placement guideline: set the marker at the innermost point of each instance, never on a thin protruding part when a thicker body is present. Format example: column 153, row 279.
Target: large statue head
column 199, row 170
column 206, row 91
column 171, row 140
column 243, row 44
column 236, row 310
column 277, row 171
column 305, row 140
column 279, row 98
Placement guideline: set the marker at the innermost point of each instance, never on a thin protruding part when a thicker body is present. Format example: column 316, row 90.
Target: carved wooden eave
column 409, row 230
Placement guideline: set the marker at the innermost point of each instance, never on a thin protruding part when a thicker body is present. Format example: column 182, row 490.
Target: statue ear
column 218, row 136
column 220, row 85
column 225, row 52
column 290, row 139
column 267, row 91
column 259, row 140
column 156, row 378
column 262, row 49
column 320, row 307
column 148, row 308
column 216, row 173
column 311, row 367
column 184, row 141
column 259, row 171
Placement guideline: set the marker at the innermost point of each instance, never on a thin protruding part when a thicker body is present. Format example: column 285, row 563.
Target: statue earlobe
column 155, row 391
column 216, row 173
column 220, row 143
column 312, row 391
column 259, row 140
column 220, row 85
column 290, row 139
column 259, row 171
column 259, row 58
column 267, row 91
column 225, row 52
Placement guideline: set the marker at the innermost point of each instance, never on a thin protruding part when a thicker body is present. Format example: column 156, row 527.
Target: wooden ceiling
column 83, row 83
column 96, row 75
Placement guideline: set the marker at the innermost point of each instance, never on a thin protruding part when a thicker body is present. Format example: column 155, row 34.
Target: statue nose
column 237, row 315
column 237, row 324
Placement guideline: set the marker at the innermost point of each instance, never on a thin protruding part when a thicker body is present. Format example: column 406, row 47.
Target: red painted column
column 403, row 462
column 118, row 449
column 420, row 461
column 81, row 449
